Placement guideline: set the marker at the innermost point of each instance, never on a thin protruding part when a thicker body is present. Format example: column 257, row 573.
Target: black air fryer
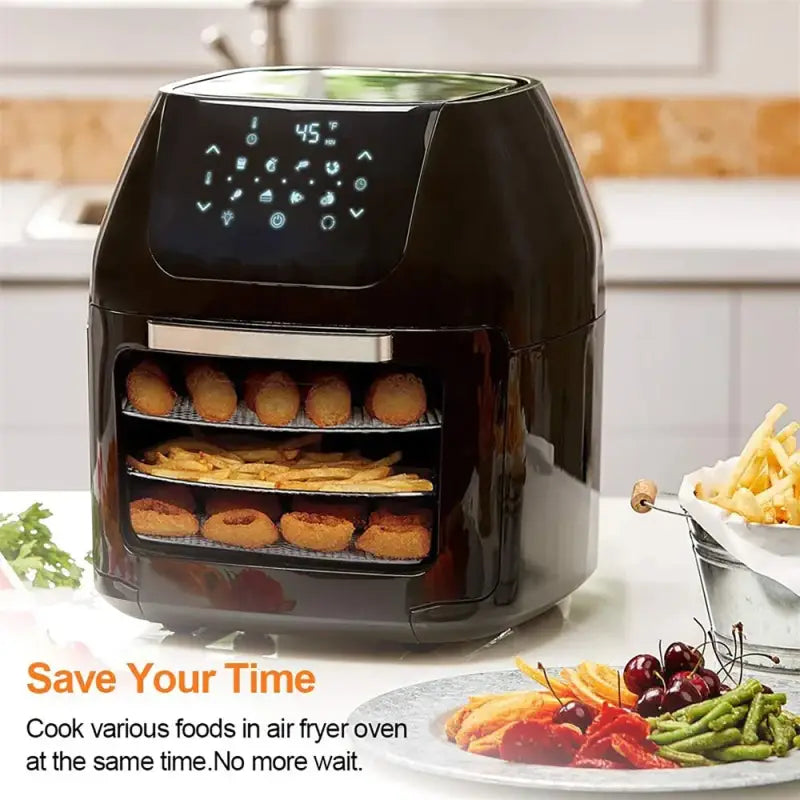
column 362, row 222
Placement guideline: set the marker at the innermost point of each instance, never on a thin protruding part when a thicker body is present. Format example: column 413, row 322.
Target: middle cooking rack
column 134, row 473
column 243, row 417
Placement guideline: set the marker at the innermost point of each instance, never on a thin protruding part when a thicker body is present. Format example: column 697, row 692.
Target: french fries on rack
column 764, row 486
column 289, row 465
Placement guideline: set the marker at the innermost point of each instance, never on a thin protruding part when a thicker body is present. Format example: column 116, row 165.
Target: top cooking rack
column 244, row 418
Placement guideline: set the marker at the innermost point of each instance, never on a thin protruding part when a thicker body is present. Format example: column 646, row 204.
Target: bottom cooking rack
column 281, row 549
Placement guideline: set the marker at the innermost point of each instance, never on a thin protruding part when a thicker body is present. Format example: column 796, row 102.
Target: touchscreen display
column 311, row 194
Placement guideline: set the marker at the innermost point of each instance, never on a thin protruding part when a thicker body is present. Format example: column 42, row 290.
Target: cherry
column 681, row 695
column 712, row 681
column 651, row 702
column 698, row 681
column 574, row 713
column 679, row 656
column 642, row 672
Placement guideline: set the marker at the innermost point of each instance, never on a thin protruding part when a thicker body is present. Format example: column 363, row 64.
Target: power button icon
column 277, row 220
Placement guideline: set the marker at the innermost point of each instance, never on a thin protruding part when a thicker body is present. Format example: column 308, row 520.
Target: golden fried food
column 411, row 541
column 276, row 400
column 328, row 402
column 242, row 527
column 317, row 531
column 172, row 493
column 353, row 511
column 153, row 517
column 212, row 392
column 397, row 399
column 267, row 504
column 149, row 391
column 393, row 517
column 490, row 716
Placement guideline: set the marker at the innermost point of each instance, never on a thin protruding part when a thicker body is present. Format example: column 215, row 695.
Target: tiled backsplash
column 87, row 140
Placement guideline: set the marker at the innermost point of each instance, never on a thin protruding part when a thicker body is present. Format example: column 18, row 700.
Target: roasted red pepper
column 533, row 742
column 597, row 763
column 637, row 756
column 606, row 716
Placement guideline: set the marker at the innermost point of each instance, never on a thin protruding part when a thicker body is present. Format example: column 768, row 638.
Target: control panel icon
column 355, row 213
column 328, row 199
column 364, row 154
column 277, row 220
column 265, row 196
column 207, row 178
column 296, row 197
column 241, row 163
column 237, row 193
column 251, row 139
column 271, row 164
column 302, row 164
column 203, row 207
column 332, row 167
column 328, row 222
column 212, row 150
column 359, row 184
column 227, row 216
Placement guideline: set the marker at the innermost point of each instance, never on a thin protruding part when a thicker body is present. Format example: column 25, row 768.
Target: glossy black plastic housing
column 497, row 293
column 502, row 235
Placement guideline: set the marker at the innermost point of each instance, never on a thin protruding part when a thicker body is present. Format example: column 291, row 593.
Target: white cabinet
column 769, row 367
column 43, row 386
column 667, row 402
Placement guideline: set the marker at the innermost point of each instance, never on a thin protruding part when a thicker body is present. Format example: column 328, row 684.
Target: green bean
column 669, row 737
column 780, row 735
column 742, row 752
column 764, row 732
column 712, row 740
column 777, row 699
column 796, row 741
column 671, row 725
column 736, row 697
column 684, row 759
column 754, row 716
column 729, row 720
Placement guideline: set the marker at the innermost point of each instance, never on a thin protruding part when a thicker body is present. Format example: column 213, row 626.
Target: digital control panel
column 290, row 195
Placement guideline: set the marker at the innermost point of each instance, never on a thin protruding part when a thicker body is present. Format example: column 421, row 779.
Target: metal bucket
column 769, row 612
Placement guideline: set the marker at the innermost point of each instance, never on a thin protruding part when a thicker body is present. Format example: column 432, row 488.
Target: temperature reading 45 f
column 309, row 132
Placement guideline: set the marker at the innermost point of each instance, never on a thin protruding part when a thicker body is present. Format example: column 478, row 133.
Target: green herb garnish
column 27, row 544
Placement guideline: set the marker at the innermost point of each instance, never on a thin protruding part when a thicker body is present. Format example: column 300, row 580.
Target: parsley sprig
column 27, row 544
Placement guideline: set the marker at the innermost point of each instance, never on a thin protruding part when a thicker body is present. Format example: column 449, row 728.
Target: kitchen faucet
column 269, row 36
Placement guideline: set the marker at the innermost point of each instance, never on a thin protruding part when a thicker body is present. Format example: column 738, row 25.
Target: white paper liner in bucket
column 769, row 550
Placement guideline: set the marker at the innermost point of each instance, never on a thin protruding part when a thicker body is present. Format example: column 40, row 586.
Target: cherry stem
column 661, row 678
column 740, row 628
column 660, row 653
column 547, row 681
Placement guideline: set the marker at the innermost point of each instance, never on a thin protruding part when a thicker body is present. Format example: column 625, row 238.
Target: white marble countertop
column 645, row 589
column 655, row 231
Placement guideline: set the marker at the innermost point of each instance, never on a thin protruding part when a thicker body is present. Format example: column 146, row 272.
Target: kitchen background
column 684, row 114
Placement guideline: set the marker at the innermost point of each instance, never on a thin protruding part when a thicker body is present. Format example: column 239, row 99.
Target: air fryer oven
column 361, row 222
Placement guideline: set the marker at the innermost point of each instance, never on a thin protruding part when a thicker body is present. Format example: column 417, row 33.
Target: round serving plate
column 424, row 708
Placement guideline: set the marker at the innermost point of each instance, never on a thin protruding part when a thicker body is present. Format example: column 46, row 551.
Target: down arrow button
column 355, row 213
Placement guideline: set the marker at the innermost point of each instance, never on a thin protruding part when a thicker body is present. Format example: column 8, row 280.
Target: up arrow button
column 364, row 154
column 212, row 150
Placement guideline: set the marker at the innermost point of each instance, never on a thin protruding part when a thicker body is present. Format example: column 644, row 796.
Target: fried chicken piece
column 328, row 402
column 411, row 541
column 153, row 517
column 149, row 390
column 316, row 531
column 397, row 399
column 212, row 392
column 267, row 504
column 242, row 527
column 353, row 511
column 276, row 399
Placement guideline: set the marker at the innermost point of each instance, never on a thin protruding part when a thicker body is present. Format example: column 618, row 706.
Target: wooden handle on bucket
column 644, row 493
